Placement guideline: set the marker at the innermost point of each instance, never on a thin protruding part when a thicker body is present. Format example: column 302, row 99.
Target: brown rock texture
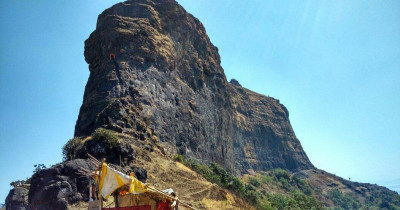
column 166, row 84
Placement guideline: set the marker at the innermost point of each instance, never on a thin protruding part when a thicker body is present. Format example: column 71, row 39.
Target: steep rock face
column 263, row 137
column 154, row 74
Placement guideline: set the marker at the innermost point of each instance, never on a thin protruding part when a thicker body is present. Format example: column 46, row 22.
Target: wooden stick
column 90, row 188
column 98, row 187
column 151, row 189
column 84, row 169
column 94, row 161
column 170, row 197
column 90, row 156
column 84, row 172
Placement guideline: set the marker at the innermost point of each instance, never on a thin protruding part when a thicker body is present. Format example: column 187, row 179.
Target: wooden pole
column 170, row 197
column 90, row 188
column 151, row 189
column 100, row 169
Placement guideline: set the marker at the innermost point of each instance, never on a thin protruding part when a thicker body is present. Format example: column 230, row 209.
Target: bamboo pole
column 93, row 159
column 151, row 189
column 90, row 188
column 170, row 197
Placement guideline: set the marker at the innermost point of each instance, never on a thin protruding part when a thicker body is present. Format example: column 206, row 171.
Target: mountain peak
column 151, row 63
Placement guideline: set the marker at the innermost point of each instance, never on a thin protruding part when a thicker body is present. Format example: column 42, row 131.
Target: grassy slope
column 211, row 187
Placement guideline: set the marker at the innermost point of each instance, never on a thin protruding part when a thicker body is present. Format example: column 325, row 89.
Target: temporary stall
column 128, row 192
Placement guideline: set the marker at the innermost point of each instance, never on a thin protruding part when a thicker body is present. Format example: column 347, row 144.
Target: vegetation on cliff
column 100, row 136
column 253, row 192
column 280, row 189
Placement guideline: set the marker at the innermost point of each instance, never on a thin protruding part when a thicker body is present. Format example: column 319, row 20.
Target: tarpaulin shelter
column 111, row 180
column 129, row 193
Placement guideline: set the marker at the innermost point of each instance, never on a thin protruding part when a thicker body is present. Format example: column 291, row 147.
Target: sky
column 335, row 64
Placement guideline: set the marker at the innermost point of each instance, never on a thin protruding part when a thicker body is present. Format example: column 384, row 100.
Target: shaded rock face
column 154, row 74
column 17, row 199
column 58, row 186
column 113, row 155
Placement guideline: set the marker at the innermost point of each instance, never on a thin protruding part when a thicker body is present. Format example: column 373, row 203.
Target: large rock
column 17, row 199
column 56, row 187
column 155, row 75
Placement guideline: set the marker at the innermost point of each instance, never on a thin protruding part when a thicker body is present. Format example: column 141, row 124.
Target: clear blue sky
column 334, row 64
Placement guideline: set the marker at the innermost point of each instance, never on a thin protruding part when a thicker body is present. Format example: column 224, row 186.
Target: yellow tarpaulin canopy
column 111, row 180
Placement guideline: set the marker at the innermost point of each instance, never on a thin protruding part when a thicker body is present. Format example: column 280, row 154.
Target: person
column 93, row 182
column 175, row 203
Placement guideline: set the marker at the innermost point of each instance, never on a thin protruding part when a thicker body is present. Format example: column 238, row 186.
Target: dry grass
column 191, row 187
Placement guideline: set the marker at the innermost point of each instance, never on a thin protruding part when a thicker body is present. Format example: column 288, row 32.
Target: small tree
column 70, row 149
column 17, row 183
column 38, row 168
column 253, row 181
column 179, row 158
column 106, row 136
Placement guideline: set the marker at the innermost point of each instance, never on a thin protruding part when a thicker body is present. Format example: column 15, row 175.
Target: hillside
column 157, row 103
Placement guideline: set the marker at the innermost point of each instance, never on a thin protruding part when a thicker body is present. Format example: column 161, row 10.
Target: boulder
column 17, row 199
column 56, row 187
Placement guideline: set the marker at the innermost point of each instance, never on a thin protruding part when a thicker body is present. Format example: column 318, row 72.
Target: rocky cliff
column 156, row 80
column 155, row 75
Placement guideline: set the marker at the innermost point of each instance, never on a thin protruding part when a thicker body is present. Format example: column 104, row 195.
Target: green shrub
column 278, row 201
column 70, row 148
column 280, row 173
column 284, row 183
column 252, row 196
column 253, row 181
column 19, row 183
column 106, row 136
column 303, row 201
column 265, row 179
column 296, row 200
column 39, row 167
column 302, row 185
column 223, row 175
column 346, row 201
column 203, row 170
column 265, row 205
column 237, row 186
column 216, row 174
column 178, row 158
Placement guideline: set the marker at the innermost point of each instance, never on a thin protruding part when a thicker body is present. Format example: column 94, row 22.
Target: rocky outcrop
column 17, row 199
column 59, row 186
column 155, row 75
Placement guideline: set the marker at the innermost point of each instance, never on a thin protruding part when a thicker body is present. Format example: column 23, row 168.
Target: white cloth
column 111, row 180
column 168, row 191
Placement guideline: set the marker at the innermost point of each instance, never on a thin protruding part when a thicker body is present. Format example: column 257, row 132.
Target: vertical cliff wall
column 155, row 75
